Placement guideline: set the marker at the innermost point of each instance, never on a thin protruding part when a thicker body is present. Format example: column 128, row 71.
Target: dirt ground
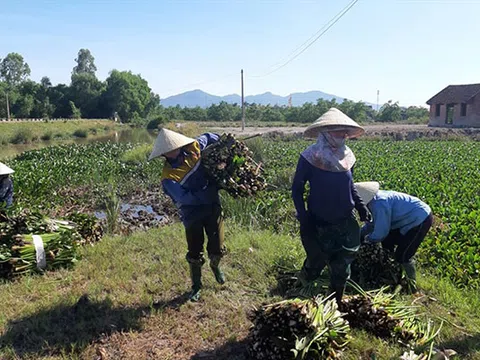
column 391, row 131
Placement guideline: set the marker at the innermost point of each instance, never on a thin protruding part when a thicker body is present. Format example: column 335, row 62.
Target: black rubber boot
column 338, row 290
column 214, row 265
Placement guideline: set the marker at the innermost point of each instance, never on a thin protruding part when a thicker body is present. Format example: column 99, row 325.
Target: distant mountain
column 200, row 98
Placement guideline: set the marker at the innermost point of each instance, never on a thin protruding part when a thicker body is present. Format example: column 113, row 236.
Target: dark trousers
column 212, row 225
column 405, row 246
column 334, row 245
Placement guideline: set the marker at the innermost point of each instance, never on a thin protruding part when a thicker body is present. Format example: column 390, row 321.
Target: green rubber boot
column 214, row 265
column 196, row 276
column 411, row 274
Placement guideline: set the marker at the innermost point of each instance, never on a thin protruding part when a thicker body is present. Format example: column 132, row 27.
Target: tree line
column 123, row 95
column 127, row 97
column 307, row 113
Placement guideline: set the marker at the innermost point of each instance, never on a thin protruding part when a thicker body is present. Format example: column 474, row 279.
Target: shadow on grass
column 174, row 303
column 68, row 328
column 232, row 350
column 464, row 345
column 71, row 328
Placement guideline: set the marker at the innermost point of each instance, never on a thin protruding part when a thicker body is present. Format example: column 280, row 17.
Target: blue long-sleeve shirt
column 185, row 181
column 332, row 194
column 6, row 190
column 394, row 210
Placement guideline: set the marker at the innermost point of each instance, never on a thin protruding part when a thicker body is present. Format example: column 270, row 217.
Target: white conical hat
column 334, row 120
column 168, row 140
column 5, row 170
column 367, row 190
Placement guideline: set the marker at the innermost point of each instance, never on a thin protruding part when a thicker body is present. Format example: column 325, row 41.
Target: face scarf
column 330, row 153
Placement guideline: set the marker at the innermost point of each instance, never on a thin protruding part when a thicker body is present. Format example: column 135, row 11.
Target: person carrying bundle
column 185, row 181
column 6, row 185
column 400, row 222
column 328, row 227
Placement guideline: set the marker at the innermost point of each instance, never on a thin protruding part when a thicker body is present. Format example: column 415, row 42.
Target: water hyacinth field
column 443, row 174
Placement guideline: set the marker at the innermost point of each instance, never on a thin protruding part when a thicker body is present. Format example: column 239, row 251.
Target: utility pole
column 378, row 97
column 243, row 104
column 8, row 106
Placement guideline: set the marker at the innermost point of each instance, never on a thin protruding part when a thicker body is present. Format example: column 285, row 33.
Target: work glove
column 364, row 214
column 364, row 239
column 364, row 231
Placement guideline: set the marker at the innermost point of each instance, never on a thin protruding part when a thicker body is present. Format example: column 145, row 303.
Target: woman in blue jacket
column 328, row 227
column 6, row 185
column 184, row 180
column 400, row 222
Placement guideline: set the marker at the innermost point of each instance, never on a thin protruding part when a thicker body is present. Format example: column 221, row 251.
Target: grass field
column 26, row 132
column 136, row 307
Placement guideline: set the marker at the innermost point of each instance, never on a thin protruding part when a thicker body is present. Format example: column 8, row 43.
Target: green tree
column 59, row 97
column 308, row 113
column 416, row 114
column 173, row 113
column 85, row 63
column 221, row 112
column 270, row 114
column 23, row 106
column 253, row 112
column 74, row 111
column 292, row 114
column 129, row 95
column 322, row 106
column 13, row 70
column 390, row 112
column 45, row 82
column 86, row 91
column 195, row 114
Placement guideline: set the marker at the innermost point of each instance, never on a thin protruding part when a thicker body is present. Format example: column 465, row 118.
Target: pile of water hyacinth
column 298, row 329
column 375, row 267
column 33, row 243
column 229, row 163
column 316, row 329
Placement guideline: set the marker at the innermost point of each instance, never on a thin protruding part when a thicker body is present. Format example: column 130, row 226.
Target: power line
column 316, row 36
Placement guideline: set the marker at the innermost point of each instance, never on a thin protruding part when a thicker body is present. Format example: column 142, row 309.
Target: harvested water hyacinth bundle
column 375, row 267
column 33, row 243
column 229, row 163
column 298, row 329
column 382, row 315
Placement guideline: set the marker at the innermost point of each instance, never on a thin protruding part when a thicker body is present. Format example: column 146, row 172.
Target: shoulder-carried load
column 229, row 163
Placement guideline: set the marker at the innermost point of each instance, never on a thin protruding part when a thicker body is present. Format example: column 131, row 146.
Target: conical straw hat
column 367, row 190
column 5, row 170
column 168, row 140
column 334, row 120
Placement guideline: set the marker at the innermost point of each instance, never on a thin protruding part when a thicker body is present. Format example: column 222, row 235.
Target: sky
column 408, row 50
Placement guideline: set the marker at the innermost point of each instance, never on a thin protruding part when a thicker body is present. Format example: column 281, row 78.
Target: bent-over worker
column 400, row 222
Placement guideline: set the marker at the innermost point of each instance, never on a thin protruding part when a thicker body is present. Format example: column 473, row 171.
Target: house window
column 437, row 109
column 463, row 109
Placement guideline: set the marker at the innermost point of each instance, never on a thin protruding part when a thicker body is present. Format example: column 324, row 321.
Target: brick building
column 456, row 106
